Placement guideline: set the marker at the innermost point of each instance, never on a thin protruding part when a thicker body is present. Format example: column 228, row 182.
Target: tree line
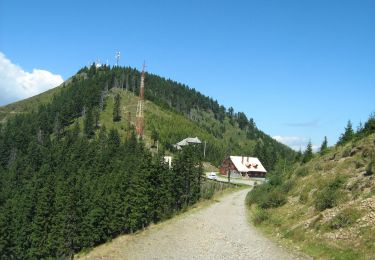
column 65, row 186
column 348, row 135
column 65, row 195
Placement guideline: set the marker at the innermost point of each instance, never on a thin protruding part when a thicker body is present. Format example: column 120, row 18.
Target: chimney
column 242, row 160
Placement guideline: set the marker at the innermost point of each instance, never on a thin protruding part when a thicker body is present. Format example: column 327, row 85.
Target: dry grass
column 344, row 231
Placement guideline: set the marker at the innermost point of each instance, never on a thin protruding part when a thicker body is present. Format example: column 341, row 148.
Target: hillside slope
column 329, row 210
column 27, row 105
column 73, row 174
column 173, row 110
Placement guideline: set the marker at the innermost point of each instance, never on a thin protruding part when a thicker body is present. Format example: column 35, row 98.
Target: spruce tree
column 154, row 136
column 298, row 156
column 116, row 109
column 347, row 135
column 41, row 223
column 88, row 124
column 324, row 146
column 308, row 154
column 369, row 126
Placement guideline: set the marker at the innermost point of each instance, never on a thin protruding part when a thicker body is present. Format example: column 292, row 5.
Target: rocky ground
column 219, row 231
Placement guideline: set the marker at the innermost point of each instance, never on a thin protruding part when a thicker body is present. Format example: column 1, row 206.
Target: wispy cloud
column 312, row 123
column 15, row 83
column 295, row 142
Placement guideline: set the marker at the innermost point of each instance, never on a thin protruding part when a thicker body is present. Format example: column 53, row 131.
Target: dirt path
column 220, row 231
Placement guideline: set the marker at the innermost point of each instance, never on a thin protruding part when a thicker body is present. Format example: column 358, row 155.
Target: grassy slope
column 345, row 231
column 167, row 122
column 28, row 104
column 170, row 125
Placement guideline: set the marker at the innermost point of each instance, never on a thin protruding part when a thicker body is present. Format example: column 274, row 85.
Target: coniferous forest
column 65, row 186
column 61, row 196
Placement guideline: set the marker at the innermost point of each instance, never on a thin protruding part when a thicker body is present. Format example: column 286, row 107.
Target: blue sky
column 301, row 69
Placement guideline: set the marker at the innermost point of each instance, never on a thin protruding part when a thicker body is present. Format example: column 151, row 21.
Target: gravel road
column 219, row 231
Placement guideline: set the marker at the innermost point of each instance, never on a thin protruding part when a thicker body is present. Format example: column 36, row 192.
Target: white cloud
column 15, row 83
column 295, row 142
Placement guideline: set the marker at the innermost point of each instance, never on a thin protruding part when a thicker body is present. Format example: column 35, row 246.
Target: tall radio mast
column 117, row 56
column 140, row 117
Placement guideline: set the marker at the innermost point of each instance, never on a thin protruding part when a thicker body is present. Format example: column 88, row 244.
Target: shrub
column 266, row 196
column 336, row 183
column 345, row 218
column 275, row 180
column 370, row 169
column 302, row 171
column 346, row 152
column 273, row 199
column 328, row 197
column 287, row 186
column 260, row 215
column 257, row 194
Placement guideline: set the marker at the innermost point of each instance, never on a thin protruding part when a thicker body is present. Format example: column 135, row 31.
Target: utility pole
column 204, row 150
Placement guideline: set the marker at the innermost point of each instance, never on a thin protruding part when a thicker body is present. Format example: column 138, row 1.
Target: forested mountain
column 169, row 104
column 73, row 174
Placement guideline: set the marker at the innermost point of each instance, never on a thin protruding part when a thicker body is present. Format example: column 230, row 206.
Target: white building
column 187, row 141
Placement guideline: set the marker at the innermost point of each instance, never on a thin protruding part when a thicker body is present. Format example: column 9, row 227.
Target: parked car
column 212, row 176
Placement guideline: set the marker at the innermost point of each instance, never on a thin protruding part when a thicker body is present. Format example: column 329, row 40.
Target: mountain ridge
column 217, row 122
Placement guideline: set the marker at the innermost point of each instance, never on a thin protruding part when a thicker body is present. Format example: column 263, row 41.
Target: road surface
column 219, row 231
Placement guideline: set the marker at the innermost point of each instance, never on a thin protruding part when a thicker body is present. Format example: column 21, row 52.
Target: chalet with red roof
column 243, row 166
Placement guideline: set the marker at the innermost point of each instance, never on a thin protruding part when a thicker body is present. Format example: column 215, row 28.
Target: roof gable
column 187, row 141
column 247, row 164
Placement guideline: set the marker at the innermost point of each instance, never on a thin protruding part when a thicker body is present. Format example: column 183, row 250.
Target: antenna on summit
column 117, row 56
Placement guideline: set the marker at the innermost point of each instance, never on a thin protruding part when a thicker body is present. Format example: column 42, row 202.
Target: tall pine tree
column 347, row 135
column 308, row 154
column 116, row 109
column 324, row 146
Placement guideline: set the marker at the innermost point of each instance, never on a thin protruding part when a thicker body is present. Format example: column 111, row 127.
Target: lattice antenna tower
column 140, row 107
column 117, row 56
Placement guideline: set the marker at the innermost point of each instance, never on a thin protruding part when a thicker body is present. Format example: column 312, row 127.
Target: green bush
column 370, row 169
column 345, row 218
column 337, row 183
column 257, row 194
column 275, row 180
column 287, row 186
column 326, row 199
column 266, row 197
column 346, row 152
column 329, row 196
column 302, row 171
column 260, row 215
column 271, row 194
column 273, row 199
